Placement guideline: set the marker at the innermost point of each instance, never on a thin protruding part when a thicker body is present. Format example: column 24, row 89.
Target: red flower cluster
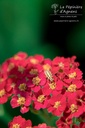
column 56, row 85
column 19, row 122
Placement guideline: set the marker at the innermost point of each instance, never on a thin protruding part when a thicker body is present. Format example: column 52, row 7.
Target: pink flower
column 82, row 125
column 57, row 104
column 55, row 86
column 73, row 74
column 35, row 59
column 20, row 56
column 40, row 100
column 3, row 94
column 27, row 124
column 64, row 122
column 17, row 122
column 38, row 82
column 5, row 91
column 75, row 126
column 43, row 125
column 23, row 101
column 75, row 109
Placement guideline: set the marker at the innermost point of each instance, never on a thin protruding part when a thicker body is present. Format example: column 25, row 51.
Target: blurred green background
column 26, row 25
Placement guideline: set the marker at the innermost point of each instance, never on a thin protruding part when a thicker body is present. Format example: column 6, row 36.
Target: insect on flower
column 49, row 75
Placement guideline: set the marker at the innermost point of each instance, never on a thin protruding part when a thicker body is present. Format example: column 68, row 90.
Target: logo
column 55, row 7
column 66, row 13
column 66, row 9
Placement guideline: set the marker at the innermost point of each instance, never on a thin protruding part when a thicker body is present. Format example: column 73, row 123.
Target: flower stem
column 48, row 118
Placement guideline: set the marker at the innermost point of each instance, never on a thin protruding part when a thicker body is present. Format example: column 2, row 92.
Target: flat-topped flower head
column 19, row 122
column 35, row 82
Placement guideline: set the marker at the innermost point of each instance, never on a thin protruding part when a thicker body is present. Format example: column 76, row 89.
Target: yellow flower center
column 21, row 101
column 61, row 65
column 36, row 80
column 73, row 108
column 46, row 67
column 16, row 57
column 2, row 92
column 72, row 75
column 52, row 85
column 1, row 80
column 22, row 87
column 33, row 72
column 72, row 88
column 10, row 67
column 28, row 127
column 16, row 126
column 41, row 98
column 13, row 85
column 21, row 69
column 34, row 61
column 57, row 104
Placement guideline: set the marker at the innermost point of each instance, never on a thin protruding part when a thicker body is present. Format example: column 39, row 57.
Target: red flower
column 3, row 95
column 43, row 125
column 63, row 122
column 73, row 89
column 35, row 59
column 82, row 125
column 38, row 82
column 75, row 126
column 5, row 91
column 20, row 55
column 57, row 104
column 22, row 86
column 27, row 124
column 23, row 101
column 40, row 100
column 75, row 109
column 17, row 122
column 33, row 70
column 55, row 86
column 73, row 74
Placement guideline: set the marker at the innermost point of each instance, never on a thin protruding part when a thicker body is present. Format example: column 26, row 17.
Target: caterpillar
column 48, row 74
